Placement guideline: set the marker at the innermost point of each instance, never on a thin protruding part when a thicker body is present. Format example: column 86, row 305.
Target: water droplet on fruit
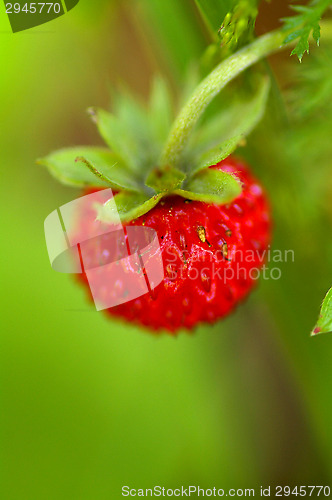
column 255, row 189
column 256, row 244
column 238, row 209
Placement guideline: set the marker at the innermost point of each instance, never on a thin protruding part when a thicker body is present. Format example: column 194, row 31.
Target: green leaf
column 230, row 127
column 117, row 176
column 324, row 323
column 212, row 186
column 305, row 24
column 62, row 165
column 129, row 206
column 165, row 179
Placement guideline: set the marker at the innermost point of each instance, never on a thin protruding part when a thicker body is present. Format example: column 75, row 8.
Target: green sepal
column 116, row 176
column 160, row 111
column 165, row 179
column 117, row 137
column 240, row 117
column 135, row 118
column 216, row 155
column 136, row 133
column 324, row 323
column 211, row 186
column 62, row 165
column 129, row 206
column 220, row 136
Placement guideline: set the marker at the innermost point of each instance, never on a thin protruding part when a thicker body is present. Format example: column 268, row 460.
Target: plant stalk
column 204, row 93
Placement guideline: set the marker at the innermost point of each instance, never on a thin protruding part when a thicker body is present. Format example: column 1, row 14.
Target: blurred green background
column 89, row 404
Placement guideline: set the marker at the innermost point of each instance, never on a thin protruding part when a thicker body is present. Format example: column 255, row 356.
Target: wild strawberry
column 210, row 214
column 211, row 256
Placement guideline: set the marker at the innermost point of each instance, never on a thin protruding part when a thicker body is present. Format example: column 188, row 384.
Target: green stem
column 211, row 86
column 226, row 71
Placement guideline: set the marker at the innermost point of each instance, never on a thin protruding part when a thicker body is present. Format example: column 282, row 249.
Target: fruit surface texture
column 212, row 255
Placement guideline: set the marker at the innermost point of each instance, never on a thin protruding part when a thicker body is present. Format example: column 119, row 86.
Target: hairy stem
column 226, row 71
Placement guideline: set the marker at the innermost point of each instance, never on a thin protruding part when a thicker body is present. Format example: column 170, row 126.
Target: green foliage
column 129, row 206
column 211, row 186
column 135, row 135
column 120, row 139
column 166, row 179
column 216, row 155
column 209, row 88
column 231, row 24
column 218, row 137
column 213, row 12
column 309, row 102
column 324, row 323
column 305, row 24
column 311, row 92
column 257, row 404
column 238, row 25
column 292, row 155
column 160, row 110
column 134, row 132
column 117, row 176
column 63, row 166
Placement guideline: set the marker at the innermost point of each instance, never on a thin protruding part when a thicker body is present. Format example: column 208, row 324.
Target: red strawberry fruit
column 210, row 214
column 211, row 256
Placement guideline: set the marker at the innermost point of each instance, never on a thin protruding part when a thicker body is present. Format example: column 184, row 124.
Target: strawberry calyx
column 151, row 155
